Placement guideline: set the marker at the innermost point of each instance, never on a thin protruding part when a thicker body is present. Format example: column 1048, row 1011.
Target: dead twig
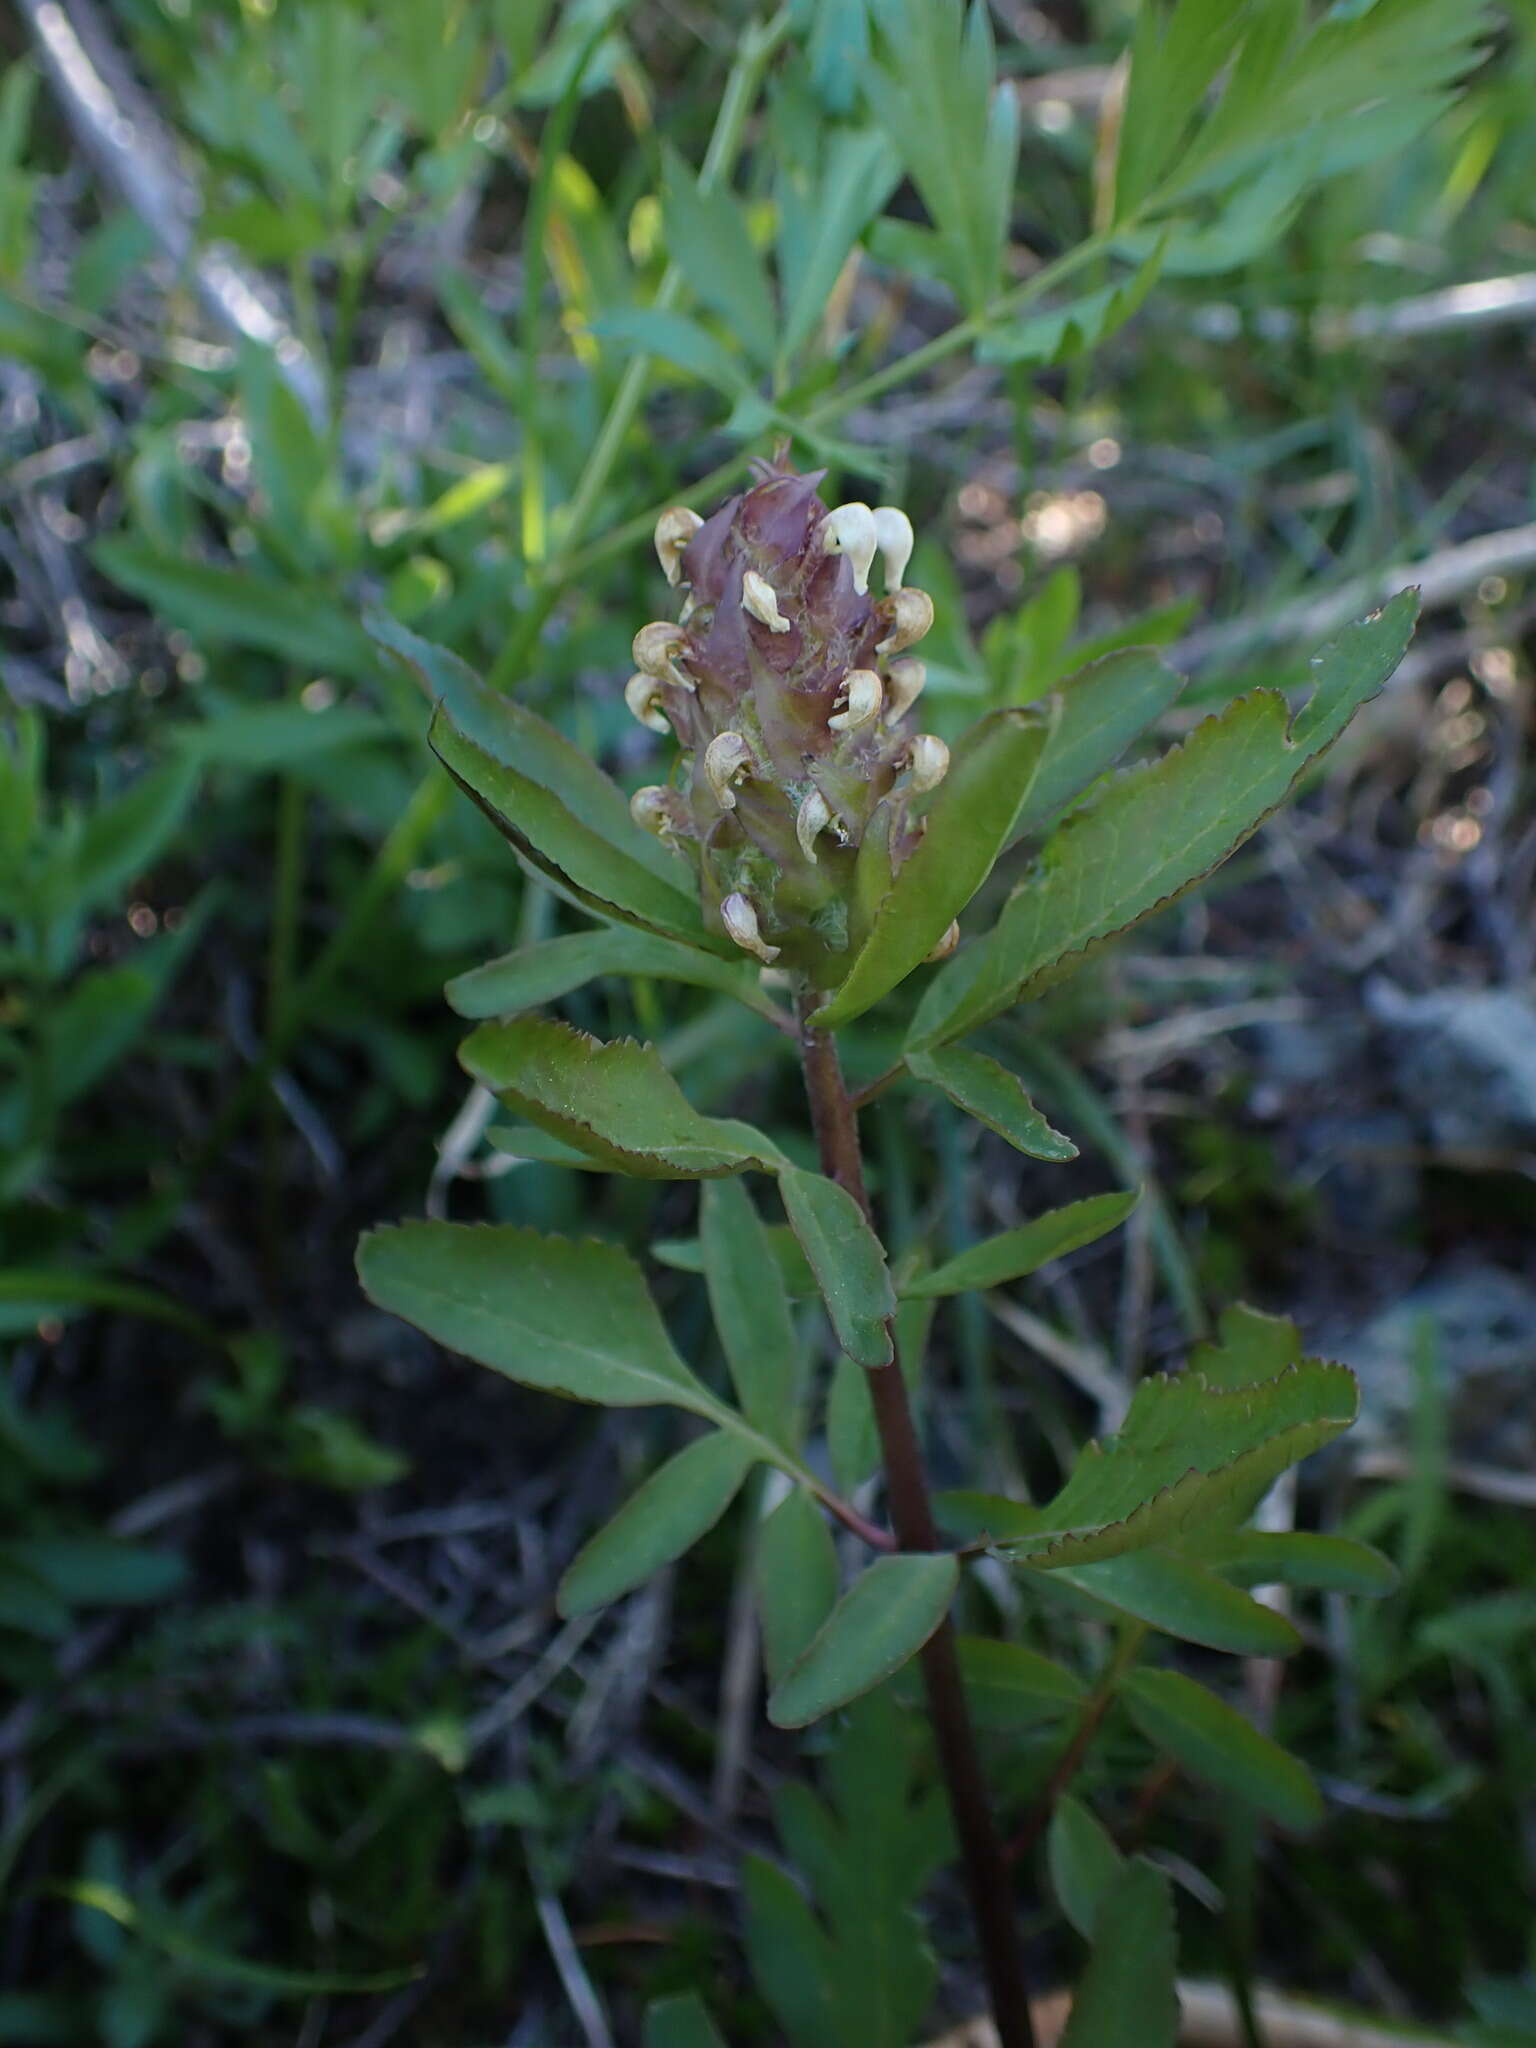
column 1441, row 578
column 1483, row 1482
column 1209, row 2019
column 577, row 1985
column 134, row 151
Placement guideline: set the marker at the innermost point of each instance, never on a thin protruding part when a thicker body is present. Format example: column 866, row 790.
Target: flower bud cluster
column 787, row 684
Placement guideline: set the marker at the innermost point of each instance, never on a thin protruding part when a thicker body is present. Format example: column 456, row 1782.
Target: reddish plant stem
column 860, row 1525
column 987, row 1882
column 1067, row 1767
column 1068, row 1764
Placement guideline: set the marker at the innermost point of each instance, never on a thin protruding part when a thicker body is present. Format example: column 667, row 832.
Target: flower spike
column 795, row 740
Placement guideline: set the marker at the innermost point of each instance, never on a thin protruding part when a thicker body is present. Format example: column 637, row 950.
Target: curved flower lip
column 674, row 529
column 927, row 762
column 910, row 613
column 894, row 536
column 740, row 920
column 644, row 697
column 727, row 759
column 760, row 598
column 851, row 530
column 812, row 819
column 656, row 648
column 907, row 681
column 861, row 695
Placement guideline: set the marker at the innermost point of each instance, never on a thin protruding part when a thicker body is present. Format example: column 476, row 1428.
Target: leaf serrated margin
column 1012, row 960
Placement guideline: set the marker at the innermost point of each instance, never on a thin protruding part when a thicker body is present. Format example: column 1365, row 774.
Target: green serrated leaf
column 569, row 1317
column 1157, row 830
column 881, row 1622
column 1217, row 1745
column 847, row 1259
column 1014, row 1253
column 1180, row 1423
column 1085, row 1865
column 1103, row 708
column 1250, row 1346
column 686, row 1255
column 967, row 828
column 617, row 1103
column 1169, row 1591
column 1178, row 1510
column 527, row 1141
column 563, row 814
column 1128, row 1991
column 1188, row 1456
column 678, row 1504
column 796, row 1576
column 1010, row 1686
column 985, row 1089
column 551, row 968
column 590, row 867
column 975, row 1516
column 750, row 1305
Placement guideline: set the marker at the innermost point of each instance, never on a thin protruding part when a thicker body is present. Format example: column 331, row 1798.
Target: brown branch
column 1209, row 2019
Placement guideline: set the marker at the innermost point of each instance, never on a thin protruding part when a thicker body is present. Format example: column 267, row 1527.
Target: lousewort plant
column 806, row 838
